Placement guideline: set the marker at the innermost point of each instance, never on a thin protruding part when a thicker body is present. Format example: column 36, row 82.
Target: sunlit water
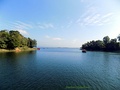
column 59, row 69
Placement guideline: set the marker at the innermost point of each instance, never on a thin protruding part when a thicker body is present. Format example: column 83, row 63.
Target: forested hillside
column 12, row 39
column 106, row 44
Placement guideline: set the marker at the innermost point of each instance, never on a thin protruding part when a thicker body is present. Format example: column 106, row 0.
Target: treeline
column 12, row 39
column 106, row 44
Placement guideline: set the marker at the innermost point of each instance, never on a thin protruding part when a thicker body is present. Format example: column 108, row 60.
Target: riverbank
column 18, row 49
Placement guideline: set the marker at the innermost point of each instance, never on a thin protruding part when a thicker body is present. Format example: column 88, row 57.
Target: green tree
column 4, row 35
column 24, row 41
column 118, row 37
column 13, row 39
column 100, row 45
column 105, row 45
column 31, row 43
column 106, row 40
column 113, row 45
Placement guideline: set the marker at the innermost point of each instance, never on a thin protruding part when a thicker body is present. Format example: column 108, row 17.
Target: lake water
column 59, row 69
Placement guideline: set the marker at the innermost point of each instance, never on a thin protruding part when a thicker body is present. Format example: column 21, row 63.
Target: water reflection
column 13, row 59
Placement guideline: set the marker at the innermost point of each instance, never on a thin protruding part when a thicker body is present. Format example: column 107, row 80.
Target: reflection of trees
column 14, row 58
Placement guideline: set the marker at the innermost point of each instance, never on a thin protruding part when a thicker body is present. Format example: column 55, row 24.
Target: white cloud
column 91, row 11
column 93, row 17
column 21, row 25
column 23, row 32
column 53, row 38
column 57, row 39
column 107, row 15
column 45, row 26
column 25, row 24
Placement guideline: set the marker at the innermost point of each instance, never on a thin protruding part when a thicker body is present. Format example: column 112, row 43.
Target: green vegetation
column 106, row 44
column 13, row 39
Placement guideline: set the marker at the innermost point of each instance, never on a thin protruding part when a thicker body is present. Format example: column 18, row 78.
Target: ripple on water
column 57, row 69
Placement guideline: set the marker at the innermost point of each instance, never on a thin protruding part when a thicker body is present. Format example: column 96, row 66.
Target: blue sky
column 61, row 23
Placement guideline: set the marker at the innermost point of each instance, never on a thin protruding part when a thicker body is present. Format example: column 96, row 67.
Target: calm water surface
column 59, row 69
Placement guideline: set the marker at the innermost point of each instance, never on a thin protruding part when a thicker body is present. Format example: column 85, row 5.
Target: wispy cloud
column 58, row 39
column 22, row 27
column 88, row 13
column 23, row 32
column 92, row 16
column 107, row 15
column 53, row 38
column 25, row 24
column 45, row 25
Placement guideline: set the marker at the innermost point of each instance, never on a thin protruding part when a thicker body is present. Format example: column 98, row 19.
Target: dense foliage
column 13, row 39
column 106, row 44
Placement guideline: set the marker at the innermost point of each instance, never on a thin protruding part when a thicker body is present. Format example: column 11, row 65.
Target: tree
column 118, row 37
column 106, row 40
column 4, row 35
column 2, row 44
column 100, row 45
column 13, row 39
column 34, row 43
column 24, row 42
column 105, row 45
column 31, row 43
column 113, row 40
column 112, row 46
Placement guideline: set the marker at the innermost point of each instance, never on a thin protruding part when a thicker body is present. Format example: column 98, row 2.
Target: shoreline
column 18, row 49
column 103, row 50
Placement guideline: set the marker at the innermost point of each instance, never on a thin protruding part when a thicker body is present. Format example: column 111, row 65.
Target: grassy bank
column 18, row 49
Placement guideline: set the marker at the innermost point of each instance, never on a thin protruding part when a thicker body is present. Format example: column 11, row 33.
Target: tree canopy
column 106, row 44
column 12, row 39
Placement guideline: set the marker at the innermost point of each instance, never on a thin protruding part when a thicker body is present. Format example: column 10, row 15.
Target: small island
column 14, row 41
column 107, row 44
